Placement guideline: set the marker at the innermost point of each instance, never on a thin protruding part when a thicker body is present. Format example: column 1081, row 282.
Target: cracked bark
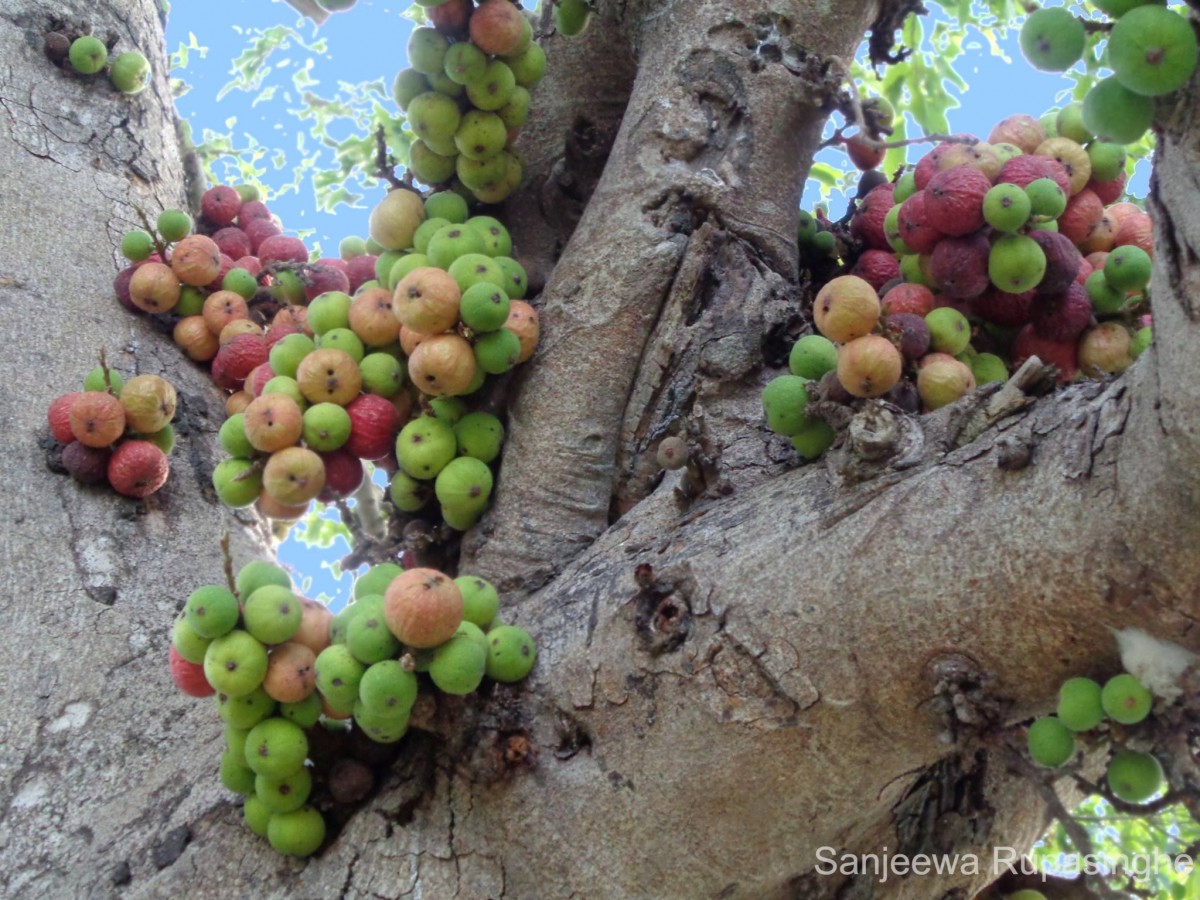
column 806, row 703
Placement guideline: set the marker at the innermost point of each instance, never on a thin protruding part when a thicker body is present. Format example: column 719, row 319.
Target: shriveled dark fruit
column 56, row 45
column 87, row 465
column 1063, row 260
column 672, row 453
column 960, row 265
column 350, row 781
column 905, row 396
column 910, row 333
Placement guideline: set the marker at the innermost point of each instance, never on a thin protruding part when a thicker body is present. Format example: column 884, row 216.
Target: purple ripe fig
column 1063, row 316
column 910, row 333
column 960, row 265
column 87, row 465
column 1063, row 260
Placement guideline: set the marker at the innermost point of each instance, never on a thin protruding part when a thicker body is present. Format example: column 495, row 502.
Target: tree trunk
column 740, row 664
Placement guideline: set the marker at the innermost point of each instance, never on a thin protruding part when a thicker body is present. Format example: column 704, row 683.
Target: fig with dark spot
column 1063, row 316
column 1002, row 308
column 916, row 230
column 909, row 333
column 954, row 200
column 960, row 265
column 877, row 267
column 1063, row 260
column 867, row 224
column 672, row 453
column 87, row 465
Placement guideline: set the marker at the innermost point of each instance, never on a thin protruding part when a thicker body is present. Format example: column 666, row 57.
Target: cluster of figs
column 1087, row 707
column 286, row 674
column 983, row 254
column 325, row 362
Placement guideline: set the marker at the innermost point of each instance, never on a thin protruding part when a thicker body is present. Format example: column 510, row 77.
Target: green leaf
column 319, row 530
column 826, row 174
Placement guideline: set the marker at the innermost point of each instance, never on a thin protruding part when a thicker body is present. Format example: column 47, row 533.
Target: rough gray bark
column 736, row 669
column 99, row 755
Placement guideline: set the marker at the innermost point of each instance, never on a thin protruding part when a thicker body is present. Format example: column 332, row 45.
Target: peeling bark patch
column 711, row 133
column 104, row 594
column 746, row 682
column 703, row 354
column 946, row 809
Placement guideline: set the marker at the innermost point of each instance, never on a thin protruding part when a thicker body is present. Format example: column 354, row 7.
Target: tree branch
column 694, row 151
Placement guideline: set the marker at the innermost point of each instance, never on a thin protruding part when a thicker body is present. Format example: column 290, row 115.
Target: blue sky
column 368, row 43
